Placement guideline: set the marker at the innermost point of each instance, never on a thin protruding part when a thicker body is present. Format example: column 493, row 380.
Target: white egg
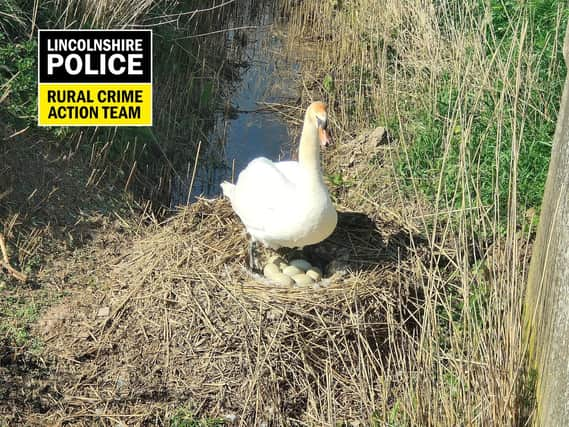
column 271, row 269
column 278, row 261
column 282, row 279
column 291, row 270
column 314, row 273
column 302, row 279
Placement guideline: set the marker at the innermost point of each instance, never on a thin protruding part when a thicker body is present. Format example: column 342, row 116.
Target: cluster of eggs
column 297, row 272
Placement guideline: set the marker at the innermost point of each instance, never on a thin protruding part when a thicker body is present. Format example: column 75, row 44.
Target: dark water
column 247, row 125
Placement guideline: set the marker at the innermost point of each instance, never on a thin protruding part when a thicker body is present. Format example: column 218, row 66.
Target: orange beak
column 325, row 140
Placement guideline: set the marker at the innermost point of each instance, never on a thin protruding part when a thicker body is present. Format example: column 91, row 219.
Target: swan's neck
column 309, row 151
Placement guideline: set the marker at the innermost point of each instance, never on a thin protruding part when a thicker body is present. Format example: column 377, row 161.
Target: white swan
column 286, row 204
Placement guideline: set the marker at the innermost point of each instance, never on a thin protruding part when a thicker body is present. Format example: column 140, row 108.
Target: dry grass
column 175, row 320
column 424, row 327
column 389, row 62
column 103, row 14
column 180, row 322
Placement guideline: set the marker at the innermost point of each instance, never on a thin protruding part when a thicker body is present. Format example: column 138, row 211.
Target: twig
column 6, row 262
column 130, row 175
column 194, row 173
column 193, row 12
column 224, row 30
column 19, row 132
column 4, row 250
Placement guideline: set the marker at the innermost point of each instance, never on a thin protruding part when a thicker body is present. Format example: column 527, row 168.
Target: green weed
column 18, row 78
column 186, row 418
column 496, row 117
column 17, row 315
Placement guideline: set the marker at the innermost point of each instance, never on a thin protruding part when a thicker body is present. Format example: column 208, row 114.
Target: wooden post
column 546, row 312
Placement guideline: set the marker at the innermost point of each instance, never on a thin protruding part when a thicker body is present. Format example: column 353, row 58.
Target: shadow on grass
column 360, row 243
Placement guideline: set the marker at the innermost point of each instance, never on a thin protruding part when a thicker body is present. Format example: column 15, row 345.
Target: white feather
column 283, row 203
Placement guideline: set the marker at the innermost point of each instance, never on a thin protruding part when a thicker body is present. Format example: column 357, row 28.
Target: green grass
column 427, row 161
column 18, row 79
column 527, row 116
column 186, row 418
column 18, row 315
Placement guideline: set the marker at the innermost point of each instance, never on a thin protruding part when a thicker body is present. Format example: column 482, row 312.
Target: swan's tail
column 228, row 189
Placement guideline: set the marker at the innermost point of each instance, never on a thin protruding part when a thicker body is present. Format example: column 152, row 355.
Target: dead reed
column 422, row 327
column 182, row 323
column 395, row 64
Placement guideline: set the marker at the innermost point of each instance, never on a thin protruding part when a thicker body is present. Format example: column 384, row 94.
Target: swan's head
column 318, row 116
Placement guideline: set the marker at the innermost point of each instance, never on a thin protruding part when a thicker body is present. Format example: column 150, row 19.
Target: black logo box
column 60, row 75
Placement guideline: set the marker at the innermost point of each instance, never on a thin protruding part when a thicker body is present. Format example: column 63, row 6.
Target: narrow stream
column 246, row 125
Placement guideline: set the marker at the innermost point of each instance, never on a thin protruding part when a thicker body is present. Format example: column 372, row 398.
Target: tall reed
column 470, row 92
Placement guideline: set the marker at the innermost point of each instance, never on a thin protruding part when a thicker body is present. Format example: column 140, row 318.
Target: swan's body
column 277, row 206
column 286, row 204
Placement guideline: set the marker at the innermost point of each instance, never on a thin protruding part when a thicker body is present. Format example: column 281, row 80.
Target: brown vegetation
column 420, row 319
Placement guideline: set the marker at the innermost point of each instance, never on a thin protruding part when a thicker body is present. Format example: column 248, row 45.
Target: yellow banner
column 95, row 104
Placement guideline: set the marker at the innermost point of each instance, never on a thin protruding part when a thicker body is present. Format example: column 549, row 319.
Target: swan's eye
column 322, row 123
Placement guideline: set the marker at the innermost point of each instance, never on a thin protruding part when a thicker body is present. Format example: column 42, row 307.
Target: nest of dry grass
column 180, row 322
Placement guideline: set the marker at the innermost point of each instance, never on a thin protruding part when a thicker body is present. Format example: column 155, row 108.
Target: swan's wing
column 292, row 171
column 263, row 194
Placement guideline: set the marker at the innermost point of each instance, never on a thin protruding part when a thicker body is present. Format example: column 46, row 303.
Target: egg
column 282, row 279
column 314, row 273
column 271, row 269
column 278, row 261
column 300, row 263
column 302, row 279
column 291, row 270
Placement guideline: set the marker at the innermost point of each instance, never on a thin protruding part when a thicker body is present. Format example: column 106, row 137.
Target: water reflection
column 245, row 127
